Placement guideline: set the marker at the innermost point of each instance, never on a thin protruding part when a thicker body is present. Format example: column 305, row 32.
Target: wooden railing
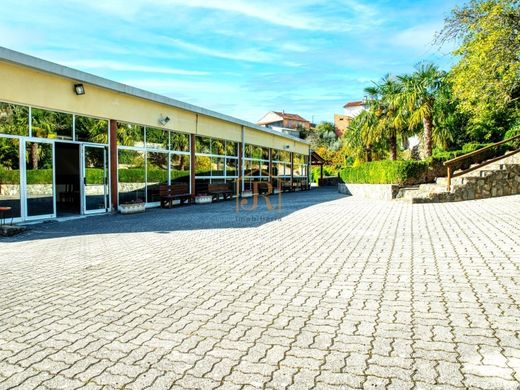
column 450, row 164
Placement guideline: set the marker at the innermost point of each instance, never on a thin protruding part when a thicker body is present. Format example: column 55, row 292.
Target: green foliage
column 486, row 79
column 386, row 172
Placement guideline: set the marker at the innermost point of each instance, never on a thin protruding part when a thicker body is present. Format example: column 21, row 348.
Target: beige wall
column 19, row 84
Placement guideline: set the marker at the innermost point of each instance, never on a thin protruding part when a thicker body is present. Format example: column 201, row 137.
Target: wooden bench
column 217, row 189
column 177, row 191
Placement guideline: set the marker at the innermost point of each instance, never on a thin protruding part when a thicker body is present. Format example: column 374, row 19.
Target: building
column 75, row 143
column 284, row 122
column 350, row 111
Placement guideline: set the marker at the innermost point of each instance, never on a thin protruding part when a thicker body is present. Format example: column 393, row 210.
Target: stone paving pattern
column 338, row 294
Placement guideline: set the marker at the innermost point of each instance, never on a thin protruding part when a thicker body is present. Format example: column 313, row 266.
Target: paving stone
column 340, row 293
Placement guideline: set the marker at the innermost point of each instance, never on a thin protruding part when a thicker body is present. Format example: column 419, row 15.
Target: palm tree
column 391, row 118
column 418, row 97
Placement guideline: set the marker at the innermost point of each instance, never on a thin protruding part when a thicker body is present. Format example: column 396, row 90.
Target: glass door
column 95, row 179
column 39, row 179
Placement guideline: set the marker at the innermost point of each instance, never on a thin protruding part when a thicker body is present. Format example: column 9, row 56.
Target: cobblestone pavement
column 338, row 294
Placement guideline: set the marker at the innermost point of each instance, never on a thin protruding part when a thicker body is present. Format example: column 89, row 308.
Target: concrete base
column 370, row 191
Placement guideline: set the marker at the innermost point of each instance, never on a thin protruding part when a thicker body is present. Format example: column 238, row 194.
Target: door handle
column 85, row 181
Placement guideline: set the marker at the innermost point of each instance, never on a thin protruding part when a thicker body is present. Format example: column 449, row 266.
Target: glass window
column 217, row 166
column 218, row 147
column 180, row 168
column 129, row 134
column 91, row 130
column 231, row 167
column 10, row 176
column 202, row 166
column 180, row 142
column 203, row 145
column 51, row 124
column 131, row 176
column 40, row 178
column 157, row 138
column 231, row 148
column 14, row 119
column 156, row 174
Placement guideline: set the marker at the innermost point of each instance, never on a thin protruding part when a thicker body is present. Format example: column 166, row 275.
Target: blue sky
column 240, row 57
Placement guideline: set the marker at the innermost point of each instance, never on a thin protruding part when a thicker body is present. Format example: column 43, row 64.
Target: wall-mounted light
column 163, row 120
column 79, row 89
column 287, row 146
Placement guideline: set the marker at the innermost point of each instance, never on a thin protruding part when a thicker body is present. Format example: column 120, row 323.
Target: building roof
column 357, row 103
column 293, row 117
column 276, row 116
column 18, row 58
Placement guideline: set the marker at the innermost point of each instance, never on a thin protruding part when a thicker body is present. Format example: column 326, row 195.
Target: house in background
column 284, row 122
column 350, row 111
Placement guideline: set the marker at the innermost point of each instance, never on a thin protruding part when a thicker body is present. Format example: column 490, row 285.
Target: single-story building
column 74, row 143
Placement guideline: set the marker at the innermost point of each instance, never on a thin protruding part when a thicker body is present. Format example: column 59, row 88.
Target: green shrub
column 512, row 132
column 386, row 172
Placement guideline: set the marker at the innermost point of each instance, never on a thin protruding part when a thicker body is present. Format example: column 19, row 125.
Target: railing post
column 449, row 178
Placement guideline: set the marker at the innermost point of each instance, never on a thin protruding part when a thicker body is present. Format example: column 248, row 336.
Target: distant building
column 284, row 122
column 350, row 111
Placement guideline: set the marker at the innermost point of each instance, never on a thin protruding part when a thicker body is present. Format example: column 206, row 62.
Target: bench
column 217, row 189
column 177, row 191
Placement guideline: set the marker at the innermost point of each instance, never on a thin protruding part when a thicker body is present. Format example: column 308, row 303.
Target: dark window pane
column 10, row 176
column 40, row 179
column 14, row 119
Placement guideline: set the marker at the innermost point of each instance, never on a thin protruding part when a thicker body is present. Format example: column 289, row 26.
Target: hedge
column 386, row 172
column 94, row 176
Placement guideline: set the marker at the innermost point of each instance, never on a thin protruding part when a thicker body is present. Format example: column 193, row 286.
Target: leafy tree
column 486, row 79
column 418, row 94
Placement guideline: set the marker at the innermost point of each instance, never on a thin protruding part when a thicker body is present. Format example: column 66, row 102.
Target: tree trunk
column 368, row 154
column 34, row 155
column 393, row 147
column 428, row 128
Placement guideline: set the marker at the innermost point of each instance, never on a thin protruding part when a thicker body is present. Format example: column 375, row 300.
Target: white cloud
column 250, row 55
column 417, row 37
column 296, row 14
column 128, row 67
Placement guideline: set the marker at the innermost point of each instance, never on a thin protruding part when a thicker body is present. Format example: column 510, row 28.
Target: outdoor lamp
column 163, row 120
column 79, row 89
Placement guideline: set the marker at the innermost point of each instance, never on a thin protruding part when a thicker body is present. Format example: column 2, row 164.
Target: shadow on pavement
column 219, row 215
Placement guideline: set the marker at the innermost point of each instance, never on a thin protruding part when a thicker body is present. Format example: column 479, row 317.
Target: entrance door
column 95, row 179
column 39, row 179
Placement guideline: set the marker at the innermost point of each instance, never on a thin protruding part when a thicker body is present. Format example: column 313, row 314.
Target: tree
column 486, row 79
column 326, row 135
column 418, row 96
column 392, row 121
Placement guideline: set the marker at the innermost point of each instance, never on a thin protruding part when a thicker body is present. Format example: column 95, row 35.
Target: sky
column 239, row 57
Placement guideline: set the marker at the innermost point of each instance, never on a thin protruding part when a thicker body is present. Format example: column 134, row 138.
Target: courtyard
column 328, row 292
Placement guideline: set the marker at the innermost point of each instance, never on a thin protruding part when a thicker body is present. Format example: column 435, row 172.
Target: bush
column 512, row 132
column 386, row 172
